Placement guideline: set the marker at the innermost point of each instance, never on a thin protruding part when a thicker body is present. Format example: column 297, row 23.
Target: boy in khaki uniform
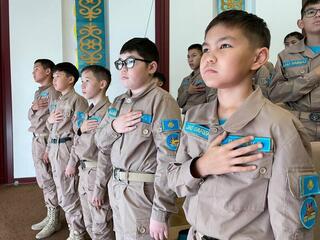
column 63, row 124
column 193, row 90
column 139, row 136
column 243, row 163
column 297, row 72
column 38, row 114
column 95, row 82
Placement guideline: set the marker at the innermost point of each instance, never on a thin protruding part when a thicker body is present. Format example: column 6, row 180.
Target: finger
column 166, row 234
column 235, row 169
column 129, row 129
column 133, row 116
column 161, row 235
column 238, row 142
column 244, row 150
column 133, row 122
column 246, row 159
column 156, row 236
column 217, row 141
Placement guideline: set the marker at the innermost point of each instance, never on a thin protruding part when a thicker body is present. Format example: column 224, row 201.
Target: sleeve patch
column 197, row 129
column 308, row 212
column 146, row 118
column 44, row 94
column 173, row 141
column 309, row 185
column 170, row 125
column 80, row 118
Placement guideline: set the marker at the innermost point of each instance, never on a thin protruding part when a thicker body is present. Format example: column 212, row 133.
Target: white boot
column 42, row 224
column 74, row 235
column 53, row 224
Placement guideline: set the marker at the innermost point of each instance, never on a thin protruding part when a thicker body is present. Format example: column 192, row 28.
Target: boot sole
column 56, row 230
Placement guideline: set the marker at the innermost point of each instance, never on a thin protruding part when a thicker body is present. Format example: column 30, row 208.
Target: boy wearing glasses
column 139, row 137
column 297, row 72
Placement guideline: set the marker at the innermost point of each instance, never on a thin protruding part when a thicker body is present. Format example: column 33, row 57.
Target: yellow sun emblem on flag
column 310, row 184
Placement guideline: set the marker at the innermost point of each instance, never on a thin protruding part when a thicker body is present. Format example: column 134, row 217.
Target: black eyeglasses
column 129, row 62
column 309, row 13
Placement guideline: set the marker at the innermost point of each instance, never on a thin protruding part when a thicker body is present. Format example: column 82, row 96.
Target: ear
column 48, row 71
column 103, row 84
column 71, row 80
column 152, row 67
column 300, row 24
column 262, row 56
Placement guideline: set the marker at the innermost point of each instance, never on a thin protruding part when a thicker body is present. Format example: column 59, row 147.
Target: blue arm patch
column 309, row 185
column 265, row 141
column 170, row 125
column 173, row 141
column 44, row 94
column 113, row 112
column 197, row 129
column 80, row 118
column 146, row 118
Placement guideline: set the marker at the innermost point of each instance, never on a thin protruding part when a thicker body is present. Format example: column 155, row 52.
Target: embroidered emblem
column 173, row 141
column 309, row 185
column 294, row 63
column 113, row 112
column 197, row 129
column 265, row 141
column 44, row 94
column 170, row 125
column 146, row 118
column 308, row 212
column 80, row 118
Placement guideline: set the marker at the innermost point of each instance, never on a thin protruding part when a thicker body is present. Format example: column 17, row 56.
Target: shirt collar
column 99, row 105
column 128, row 94
column 302, row 48
column 68, row 94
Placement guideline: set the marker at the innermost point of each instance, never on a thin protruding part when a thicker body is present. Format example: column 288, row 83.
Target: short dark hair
column 143, row 46
column 99, row 72
column 160, row 76
column 69, row 69
column 295, row 34
column 253, row 27
column 196, row 46
column 46, row 63
column 306, row 4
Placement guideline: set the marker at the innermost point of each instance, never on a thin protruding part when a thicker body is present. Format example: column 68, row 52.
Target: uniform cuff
column 159, row 216
column 189, row 179
column 112, row 133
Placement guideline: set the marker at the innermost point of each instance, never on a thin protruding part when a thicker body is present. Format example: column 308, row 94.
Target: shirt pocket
column 291, row 73
column 145, row 130
column 246, row 190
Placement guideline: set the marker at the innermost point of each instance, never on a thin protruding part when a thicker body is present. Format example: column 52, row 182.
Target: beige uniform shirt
column 186, row 100
column 256, row 205
column 38, row 118
column 84, row 147
column 147, row 149
column 293, row 83
column 72, row 107
column 262, row 78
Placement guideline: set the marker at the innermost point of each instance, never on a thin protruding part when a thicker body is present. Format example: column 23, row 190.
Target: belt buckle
column 116, row 172
column 82, row 164
column 314, row 116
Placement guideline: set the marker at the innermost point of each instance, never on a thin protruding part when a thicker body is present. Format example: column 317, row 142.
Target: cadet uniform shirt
column 147, row 149
column 186, row 100
column 294, row 84
column 38, row 118
column 262, row 78
column 261, row 204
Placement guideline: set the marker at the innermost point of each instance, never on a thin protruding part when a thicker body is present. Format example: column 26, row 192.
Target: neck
column 140, row 89
column 46, row 82
column 64, row 92
column 313, row 40
column 95, row 100
column 230, row 99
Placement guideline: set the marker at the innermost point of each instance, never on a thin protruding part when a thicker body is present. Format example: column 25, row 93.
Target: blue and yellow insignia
column 308, row 212
column 52, row 106
column 80, row 116
column 198, row 82
column 113, row 112
column 309, row 185
column 197, row 129
column 96, row 118
column 146, row 118
column 295, row 63
column 185, row 82
column 44, row 94
column 173, row 141
column 265, row 141
column 170, row 125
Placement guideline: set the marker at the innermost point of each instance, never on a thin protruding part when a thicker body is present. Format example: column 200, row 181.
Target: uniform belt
column 87, row 164
column 40, row 134
column 204, row 237
column 312, row 116
column 61, row 140
column 122, row 175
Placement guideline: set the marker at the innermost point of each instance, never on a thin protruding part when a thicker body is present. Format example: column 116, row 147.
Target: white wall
column 189, row 18
column 35, row 32
column 48, row 32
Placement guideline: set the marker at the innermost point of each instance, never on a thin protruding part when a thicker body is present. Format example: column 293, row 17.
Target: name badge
column 113, row 112
column 197, row 129
column 146, row 118
column 265, row 141
column 295, row 63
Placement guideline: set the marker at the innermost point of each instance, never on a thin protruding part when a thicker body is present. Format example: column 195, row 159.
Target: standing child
column 38, row 115
column 95, row 82
column 243, row 163
column 63, row 125
column 297, row 72
column 193, row 90
column 292, row 39
column 140, row 136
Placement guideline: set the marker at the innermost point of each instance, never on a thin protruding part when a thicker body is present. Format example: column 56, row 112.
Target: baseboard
column 18, row 181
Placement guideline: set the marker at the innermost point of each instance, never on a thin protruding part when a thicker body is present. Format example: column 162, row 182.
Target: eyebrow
column 220, row 40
